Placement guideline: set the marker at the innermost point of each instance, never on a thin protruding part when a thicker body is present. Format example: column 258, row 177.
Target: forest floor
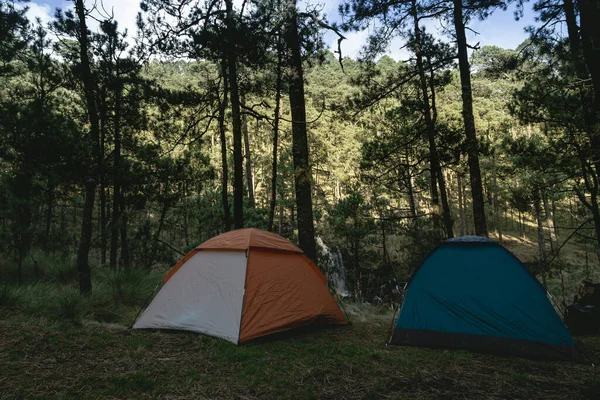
column 44, row 356
column 61, row 361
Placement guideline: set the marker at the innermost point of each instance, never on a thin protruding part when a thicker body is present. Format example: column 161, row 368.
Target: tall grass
column 116, row 297
column 9, row 296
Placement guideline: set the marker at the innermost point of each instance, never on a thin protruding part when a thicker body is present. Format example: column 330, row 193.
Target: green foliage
column 70, row 305
column 9, row 296
column 128, row 287
column 159, row 175
column 417, row 241
column 57, row 268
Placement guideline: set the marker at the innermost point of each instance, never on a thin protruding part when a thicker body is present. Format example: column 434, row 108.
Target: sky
column 500, row 29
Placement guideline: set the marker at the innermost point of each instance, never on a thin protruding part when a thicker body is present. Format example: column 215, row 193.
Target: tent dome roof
column 469, row 239
column 243, row 239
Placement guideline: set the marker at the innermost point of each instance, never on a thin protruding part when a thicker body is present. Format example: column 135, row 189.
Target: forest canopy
column 124, row 150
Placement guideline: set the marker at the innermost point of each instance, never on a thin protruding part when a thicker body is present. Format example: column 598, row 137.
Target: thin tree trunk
column 512, row 219
column 571, row 216
column 435, row 202
column 461, row 205
column 472, row 144
column 550, row 223
column 434, row 162
column 306, row 228
column 123, row 229
column 63, row 216
column 411, row 196
column 497, row 223
column 116, row 202
column 186, row 235
column 540, row 235
column 83, row 267
column 281, row 217
column 238, row 175
column 276, row 116
column 22, row 231
column 596, row 215
column 49, row 212
column 553, row 210
column 522, row 224
column 161, row 221
column 102, row 174
column 249, row 175
column 224, row 169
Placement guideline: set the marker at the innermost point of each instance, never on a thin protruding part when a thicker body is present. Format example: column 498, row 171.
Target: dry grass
column 98, row 361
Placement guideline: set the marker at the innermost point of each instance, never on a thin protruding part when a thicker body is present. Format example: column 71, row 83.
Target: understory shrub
column 9, row 296
column 70, row 305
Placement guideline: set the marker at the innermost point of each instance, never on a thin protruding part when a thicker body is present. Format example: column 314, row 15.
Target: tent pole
column 145, row 305
column 341, row 304
column 396, row 311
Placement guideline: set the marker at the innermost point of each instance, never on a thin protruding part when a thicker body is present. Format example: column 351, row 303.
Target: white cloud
column 352, row 46
column 500, row 29
column 124, row 11
column 42, row 11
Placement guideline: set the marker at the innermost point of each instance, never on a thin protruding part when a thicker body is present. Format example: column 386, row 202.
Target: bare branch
column 323, row 25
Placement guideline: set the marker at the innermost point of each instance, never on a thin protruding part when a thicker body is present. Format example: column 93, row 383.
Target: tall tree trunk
column 550, row 223
column 471, row 141
column 116, row 202
column 540, row 235
column 589, row 15
column 434, row 162
column 83, row 267
column 224, row 169
column 446, row 213
column 276, row 134
column 435, row 202
column 574, row 39
column 249, row 175
column 461, row 204
column 184, row 203
column 306, row 228
column 465, row 208
column 102, row 175
column 22, row 231
column 49, row 212
column 497, row 216
column 281, row 216
column 238, row 175
column 553, row 210
column 123, row 229
column 522, row 224
column 584, row 59
column 163, row 215
column 596, row 214
column 411, row 196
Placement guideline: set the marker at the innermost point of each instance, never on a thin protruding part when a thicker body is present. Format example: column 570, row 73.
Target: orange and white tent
column 241, row 285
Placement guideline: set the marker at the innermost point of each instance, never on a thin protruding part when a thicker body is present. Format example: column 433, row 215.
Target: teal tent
column 471, row 293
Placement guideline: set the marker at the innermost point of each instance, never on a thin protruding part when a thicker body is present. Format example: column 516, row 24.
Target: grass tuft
column 58, row 268
column 129, row 287
column 9, row 296
column 71, row 306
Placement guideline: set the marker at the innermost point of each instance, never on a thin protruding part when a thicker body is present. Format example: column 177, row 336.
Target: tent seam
column 244, row 295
